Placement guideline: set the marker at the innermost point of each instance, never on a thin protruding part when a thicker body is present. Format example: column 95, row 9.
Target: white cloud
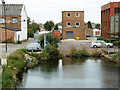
column 43, row 10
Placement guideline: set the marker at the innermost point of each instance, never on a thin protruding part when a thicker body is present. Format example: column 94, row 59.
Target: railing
column 109, row 50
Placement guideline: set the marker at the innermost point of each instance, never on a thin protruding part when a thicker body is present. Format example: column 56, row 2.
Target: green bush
column 30, row 33
column 16, row 62
column 10, row 40
column 79, row 53
column 52, row 40
column 114, row 57
column 50, row 53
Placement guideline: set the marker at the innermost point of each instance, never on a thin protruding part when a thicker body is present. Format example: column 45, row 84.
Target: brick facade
column 108, row 12
column 9, row 24
column 77, row 31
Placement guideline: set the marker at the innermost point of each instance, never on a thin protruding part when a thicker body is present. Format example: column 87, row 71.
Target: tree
column 89, row 24
column 97, row 26
column 56, row 27
column 49, row 25
column 35, row 26
column 28, row 22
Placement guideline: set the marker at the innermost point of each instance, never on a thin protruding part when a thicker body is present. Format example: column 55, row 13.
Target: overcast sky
column 44, row 10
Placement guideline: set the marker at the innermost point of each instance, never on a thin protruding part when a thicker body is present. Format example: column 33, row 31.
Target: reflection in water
column 72, row 73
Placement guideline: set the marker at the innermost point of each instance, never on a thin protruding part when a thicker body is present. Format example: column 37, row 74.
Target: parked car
column 34, row 47
column 99, row 43
column 88, row 35
column 36, row 41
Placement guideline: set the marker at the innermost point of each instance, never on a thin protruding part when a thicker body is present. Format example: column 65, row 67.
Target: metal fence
column 109, row 50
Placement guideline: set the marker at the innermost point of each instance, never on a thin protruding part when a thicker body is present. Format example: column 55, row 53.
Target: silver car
column 34, row 47
column 99, row 43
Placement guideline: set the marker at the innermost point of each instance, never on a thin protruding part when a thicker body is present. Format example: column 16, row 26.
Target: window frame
column 78, row 14
column 68, row 13
column 77, row 25
column 12, row 20
column 68, row 25
column 2, row 20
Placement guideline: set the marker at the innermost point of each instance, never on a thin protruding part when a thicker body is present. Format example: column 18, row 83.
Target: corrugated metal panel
column 116, row 23
column 112, row 24
column 69, row 34
column 11, row 9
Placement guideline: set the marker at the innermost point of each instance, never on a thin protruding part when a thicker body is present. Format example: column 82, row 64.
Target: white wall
column 23, row 32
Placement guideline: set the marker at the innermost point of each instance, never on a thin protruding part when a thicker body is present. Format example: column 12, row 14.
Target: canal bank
column 21, row 61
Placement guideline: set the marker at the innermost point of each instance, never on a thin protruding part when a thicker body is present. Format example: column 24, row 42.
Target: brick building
column 73, row 25
column 110, row 20
column 16, row 22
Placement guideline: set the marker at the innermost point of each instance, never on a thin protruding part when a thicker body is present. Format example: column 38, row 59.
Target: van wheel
column 94, row 46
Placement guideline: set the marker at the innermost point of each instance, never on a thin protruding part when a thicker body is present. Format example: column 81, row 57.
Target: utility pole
column 3, row 3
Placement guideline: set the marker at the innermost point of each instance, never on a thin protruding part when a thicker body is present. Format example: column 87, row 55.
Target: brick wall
column 10, row 33
column 106, row 12
column 73, row 19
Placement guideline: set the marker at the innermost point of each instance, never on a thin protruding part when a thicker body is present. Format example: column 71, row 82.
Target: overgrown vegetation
column 50, row 53
column 16, row 64
column 50, row 40
column 115, row 42
column 10, row 40
column 116, row 57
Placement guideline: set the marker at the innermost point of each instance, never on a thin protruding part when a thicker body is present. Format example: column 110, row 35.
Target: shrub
column 79, row 53
column 30, row 33
column 10, row 40
column 52, row 40
column 50, row 53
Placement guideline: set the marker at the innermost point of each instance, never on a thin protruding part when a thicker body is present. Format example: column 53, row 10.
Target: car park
column 34, row 47
column 99, row 43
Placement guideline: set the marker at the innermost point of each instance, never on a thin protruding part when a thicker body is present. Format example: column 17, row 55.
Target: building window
column 2, row 20
column 68, row 15
column 68, row 23
column 14, row 20
column 77, row 24
column 117, row 10
column 77, row 14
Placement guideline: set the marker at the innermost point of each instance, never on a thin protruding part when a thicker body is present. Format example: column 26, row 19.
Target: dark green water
column 71, row 73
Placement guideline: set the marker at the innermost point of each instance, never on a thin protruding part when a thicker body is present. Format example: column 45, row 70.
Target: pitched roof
column 11, row 9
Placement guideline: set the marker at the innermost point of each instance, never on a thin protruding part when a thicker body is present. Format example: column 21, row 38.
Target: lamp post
column 3, row 3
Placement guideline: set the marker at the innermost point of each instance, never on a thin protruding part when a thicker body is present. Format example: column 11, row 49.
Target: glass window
column 117, row 10
column 68, row 14
column 14, row 20
column 77, row 24
column 2, row 20
column 77, row 14
column 68, row 23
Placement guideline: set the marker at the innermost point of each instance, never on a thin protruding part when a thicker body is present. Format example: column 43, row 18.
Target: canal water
column 72, row 73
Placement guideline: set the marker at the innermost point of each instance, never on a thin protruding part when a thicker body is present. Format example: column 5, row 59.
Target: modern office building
column 110, row 20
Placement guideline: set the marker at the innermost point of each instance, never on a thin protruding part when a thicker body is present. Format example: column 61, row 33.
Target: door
column 69, row 34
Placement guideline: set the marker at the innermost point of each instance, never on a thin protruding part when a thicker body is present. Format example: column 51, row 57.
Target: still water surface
column 71, row 73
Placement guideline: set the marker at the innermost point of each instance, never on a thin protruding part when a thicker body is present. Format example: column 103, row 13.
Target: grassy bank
column 22, row 60
column 18, row 62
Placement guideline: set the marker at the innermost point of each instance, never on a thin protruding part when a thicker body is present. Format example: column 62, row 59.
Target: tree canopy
column 89, row 24
column 97, row 26
column 49, row 25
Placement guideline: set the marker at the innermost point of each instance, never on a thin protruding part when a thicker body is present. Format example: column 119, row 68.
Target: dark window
column 117, row 10
column 68, row 14
column 68, row 24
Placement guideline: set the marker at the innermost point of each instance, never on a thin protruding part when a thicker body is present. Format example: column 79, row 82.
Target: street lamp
column 3, row 2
